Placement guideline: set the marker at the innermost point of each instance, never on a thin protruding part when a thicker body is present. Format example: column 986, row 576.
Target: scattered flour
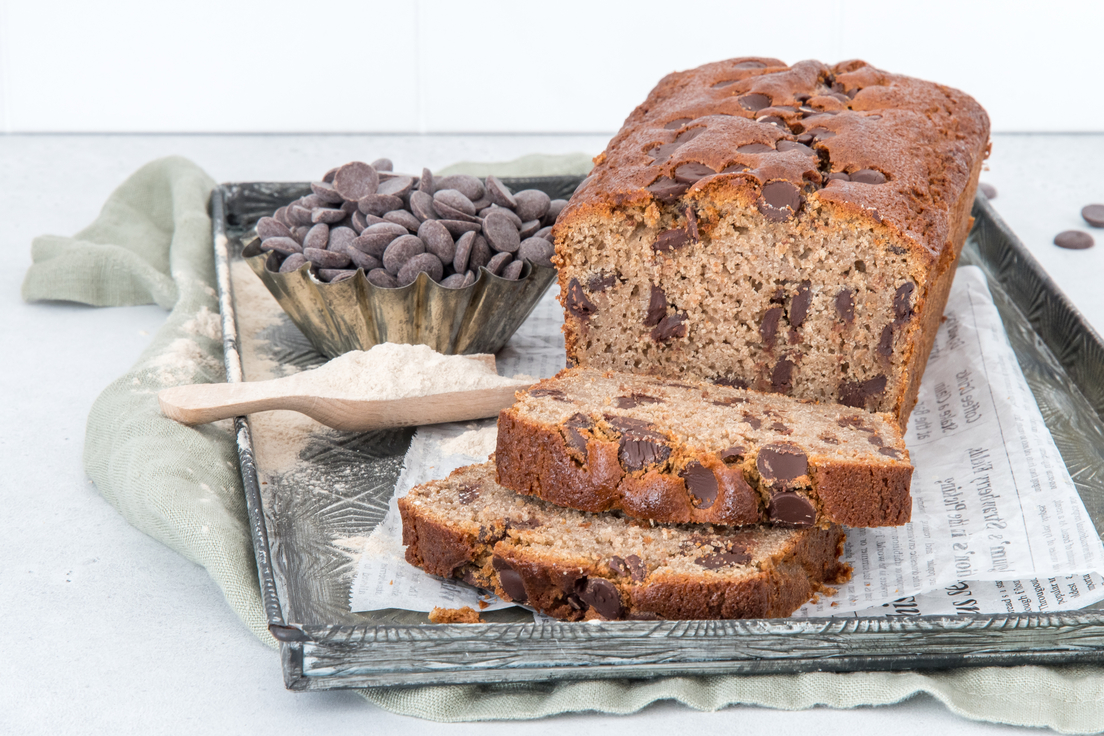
column 205, row 323
column 477, row 443
column 392, row 371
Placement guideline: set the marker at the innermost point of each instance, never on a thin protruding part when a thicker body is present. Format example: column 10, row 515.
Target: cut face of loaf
column 680, row 452
column 574, row 566
column 786, row 229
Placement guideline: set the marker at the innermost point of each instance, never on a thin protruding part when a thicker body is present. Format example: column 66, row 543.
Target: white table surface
column 107, row 631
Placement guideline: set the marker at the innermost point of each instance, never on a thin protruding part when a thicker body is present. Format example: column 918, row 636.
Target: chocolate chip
column 601, row 595
column 550, row 392
column 723, row 83
column 438, row 240
column 845, row 305
column 269, row 227
column 755, row 148
column 734, row 454
column 499, row 193
column 572, row 436
column 890, row 452
column 838, row 176
column 753, row 421
column 868, row 176
column 467, row 494
column 396, row 186
column 769, row 328
column 577, row 301
column 794, row 146
column 754, row 102
column 293, row 263
column 466, row 184
column 666, row 189
column 818, row 134
column 362, row 260
column 462, row 252
column 677, row 123
column 624, row 402
column 885, row 342
column 601, row 281
column 555, row 207
column 325, row 258
column 457, row 228
column 401, row 250
column 281, row 244
column 734, row 169
column 619, row 566
column 799, row 306
column 537, row 251
column 1093, row 214
column 528, row 523
column 781, row 463
column 426, row 263
column 988, row 190
column 730, row 381
column 736, row 555
column 780, row 201
column 355, row 180
column 791, row 509
column 1073, row 240
column 383, row 164
column 782, row 377
column 773, row 120
column 498, row 263
column 902, row 306
column 829, row 439
column 380, row 277
column 531, row 204
column 421, row 204
column 528, row 228
column 510, row 580
column 426, row 184
column 669, row 240
column 701, row 484
column 480, row 254
column 657, row 307
column 334, row 275
column 855, row 393
column 512, row 272
column 501, row 233
column 692, row 172
column 673, row 325
column 327, row 215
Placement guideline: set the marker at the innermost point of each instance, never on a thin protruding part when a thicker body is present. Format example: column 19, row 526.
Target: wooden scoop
column 208, row 402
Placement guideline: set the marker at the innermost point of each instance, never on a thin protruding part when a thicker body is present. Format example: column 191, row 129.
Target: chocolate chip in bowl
column 369, row 255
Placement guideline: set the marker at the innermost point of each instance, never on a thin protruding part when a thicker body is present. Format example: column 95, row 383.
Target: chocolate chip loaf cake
column 574, row 565
column 697, row 452
column 791, row 229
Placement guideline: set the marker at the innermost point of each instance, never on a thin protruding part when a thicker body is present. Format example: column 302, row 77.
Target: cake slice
column 792, row 229
column 677, row 452
column 574, row 565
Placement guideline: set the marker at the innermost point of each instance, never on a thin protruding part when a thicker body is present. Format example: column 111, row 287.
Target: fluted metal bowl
column 355, row 314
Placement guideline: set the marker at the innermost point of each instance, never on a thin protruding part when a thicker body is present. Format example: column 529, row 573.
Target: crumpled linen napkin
column 181, row 485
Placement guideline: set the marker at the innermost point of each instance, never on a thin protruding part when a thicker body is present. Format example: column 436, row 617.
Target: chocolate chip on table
column 779, row 201
column 537, row 251
column 1073, row 240
column 513, row 270
column 657, row 307
column 532, row 204
column 1093, row 214
column 378, row 204
column 988, row 190
column 404, row 218
column 438, row 240
column 701, row 484
column 601, row 595
column 791, row 509
column 780, row 464
column 401, row 250
column 754, row 102
column 498, row 262
column 326, row 258
column 458, row 227
column 499, row 193
column 326, row 192
column 293, row 263
column 380, row 277
column 509, row 214
column 317, row 236
column 327, row 215
column 355, row 180
column 501, row 233
column 383, row 164
column 281, row 244
column 868, row 176
column 423, row 262
column 328, row 177
column 446, row 211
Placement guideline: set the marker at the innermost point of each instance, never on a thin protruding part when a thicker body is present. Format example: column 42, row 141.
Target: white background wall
column 440, row 66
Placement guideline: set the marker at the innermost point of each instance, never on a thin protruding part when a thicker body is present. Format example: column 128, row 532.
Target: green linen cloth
column 181, row 485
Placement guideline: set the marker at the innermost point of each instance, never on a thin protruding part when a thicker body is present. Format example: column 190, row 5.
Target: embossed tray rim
column 342, row 656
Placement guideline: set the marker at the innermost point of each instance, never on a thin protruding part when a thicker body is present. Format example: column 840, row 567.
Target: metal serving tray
column 301, row 530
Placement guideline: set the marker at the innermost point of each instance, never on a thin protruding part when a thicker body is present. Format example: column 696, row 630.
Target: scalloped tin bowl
column 355, row 315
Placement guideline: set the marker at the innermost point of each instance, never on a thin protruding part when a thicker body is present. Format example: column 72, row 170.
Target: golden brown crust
column 465, row 615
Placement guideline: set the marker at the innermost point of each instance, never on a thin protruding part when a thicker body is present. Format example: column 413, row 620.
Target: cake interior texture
column 787, row 229
column 699, row 452
column 575, row 565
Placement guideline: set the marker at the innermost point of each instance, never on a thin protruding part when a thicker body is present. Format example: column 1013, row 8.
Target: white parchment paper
column 997, row 525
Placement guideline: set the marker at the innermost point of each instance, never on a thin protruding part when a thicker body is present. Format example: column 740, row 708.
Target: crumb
column 465, row 615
